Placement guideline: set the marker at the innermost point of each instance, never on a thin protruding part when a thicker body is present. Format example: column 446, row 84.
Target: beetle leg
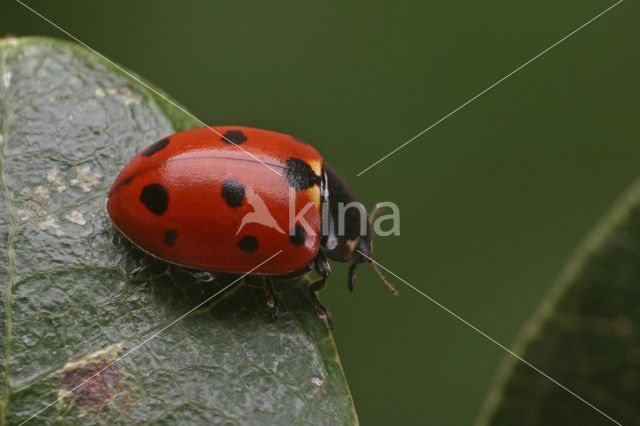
column 204, row 276
column 142, row 265
column 322, row 267
column 352, row 277
column 272, row 299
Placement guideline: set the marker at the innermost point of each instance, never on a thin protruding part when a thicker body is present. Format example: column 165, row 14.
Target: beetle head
column 348, row 235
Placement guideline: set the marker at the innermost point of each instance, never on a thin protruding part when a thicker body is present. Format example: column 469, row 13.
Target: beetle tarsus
column 204, row 276
column 322, row 310
column 322, row 267
column 142, row 265
column 272, row 299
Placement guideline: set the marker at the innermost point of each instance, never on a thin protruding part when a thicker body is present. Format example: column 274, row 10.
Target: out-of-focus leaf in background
column 69, row 122
column 585, row 335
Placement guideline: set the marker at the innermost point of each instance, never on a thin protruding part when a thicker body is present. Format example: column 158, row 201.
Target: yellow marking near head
column 313, row 195
column 316, row 166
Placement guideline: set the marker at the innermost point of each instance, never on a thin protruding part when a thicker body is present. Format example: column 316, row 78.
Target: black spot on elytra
column 299, row 174
column 170, row 237
column 157, row 146
column 299, row 140
column 298, row 235
column 248, row 244
column 155, row 197
column 233, row 192
column 235, row 137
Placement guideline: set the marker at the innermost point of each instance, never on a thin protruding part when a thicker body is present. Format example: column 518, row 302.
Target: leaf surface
column 585, row 335
column 70, row 121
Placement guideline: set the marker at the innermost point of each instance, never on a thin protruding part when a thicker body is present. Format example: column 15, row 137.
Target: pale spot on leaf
column 33, row 206
column 123, row 94
column 50, row 223
column 76, row 217
column 30, row 213
column 53, row 177
column 6, row 78
column 129, row 97
column 40, row 194
column 85, row 179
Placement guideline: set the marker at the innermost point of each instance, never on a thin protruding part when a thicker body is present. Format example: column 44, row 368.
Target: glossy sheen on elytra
column 196, row 199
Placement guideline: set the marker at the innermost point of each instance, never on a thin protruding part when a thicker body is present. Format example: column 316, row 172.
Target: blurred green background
column 492, row 200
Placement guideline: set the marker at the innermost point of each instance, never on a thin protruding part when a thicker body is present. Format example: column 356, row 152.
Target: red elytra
column 185, row 217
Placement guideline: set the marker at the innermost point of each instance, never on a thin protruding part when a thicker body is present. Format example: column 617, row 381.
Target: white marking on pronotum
column 76, row 217
column 50, row 223
column 53, row 177
column 85, row 179
column 317, row 382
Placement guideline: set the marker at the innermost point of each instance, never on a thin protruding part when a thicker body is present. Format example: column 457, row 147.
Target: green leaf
column 70, row 121
column 585, row 335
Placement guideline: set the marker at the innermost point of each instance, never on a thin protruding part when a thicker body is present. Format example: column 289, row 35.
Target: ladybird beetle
column 219, row 199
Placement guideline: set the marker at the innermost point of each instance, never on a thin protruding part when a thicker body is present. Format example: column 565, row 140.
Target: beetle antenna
column 384, row 280
column 372, row 216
